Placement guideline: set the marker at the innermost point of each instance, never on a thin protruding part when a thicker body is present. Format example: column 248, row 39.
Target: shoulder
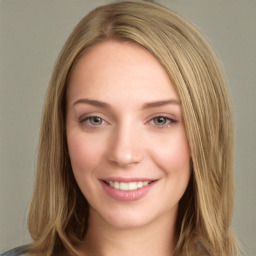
column 19, row 251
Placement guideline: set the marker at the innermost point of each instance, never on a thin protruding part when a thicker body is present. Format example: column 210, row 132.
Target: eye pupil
column 95, row 120
column 159, row 120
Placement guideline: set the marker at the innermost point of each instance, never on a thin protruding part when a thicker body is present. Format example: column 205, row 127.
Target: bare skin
column 147, row 240
column 128, row 149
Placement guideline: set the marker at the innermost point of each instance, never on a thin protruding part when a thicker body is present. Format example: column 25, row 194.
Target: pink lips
column 127, row 195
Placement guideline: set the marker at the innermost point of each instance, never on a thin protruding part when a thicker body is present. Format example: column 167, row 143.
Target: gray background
column 31, row 36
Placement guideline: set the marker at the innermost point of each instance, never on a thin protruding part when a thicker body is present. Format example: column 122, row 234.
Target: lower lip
column 127, row 195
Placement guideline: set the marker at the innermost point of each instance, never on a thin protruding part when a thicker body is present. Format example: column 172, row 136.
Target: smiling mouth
column 128, row 186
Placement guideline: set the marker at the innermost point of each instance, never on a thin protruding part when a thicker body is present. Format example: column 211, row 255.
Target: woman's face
column 126, row 137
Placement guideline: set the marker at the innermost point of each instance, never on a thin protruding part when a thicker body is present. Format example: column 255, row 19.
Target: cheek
column 173, row 155
column 84, row 153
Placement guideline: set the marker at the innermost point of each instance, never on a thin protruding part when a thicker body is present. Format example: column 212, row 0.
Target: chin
column 129, row 220
column 136, row 216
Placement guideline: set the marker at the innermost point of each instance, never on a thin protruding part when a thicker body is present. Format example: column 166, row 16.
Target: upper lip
column 128, row 179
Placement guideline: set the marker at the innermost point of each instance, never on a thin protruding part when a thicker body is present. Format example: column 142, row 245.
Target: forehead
column 119, row 68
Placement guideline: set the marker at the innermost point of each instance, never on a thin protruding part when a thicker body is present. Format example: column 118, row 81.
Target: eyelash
column 90, row 118
column 168, row 121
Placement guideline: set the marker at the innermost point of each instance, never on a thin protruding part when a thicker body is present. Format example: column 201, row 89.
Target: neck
column 156, row 238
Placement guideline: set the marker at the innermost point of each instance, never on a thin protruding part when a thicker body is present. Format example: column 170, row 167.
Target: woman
column 136, row 145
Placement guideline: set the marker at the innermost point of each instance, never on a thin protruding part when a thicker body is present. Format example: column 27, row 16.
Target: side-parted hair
column 59, row 212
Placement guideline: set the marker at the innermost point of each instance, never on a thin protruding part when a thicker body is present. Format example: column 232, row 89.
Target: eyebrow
column 95, row 103
column 148, row 105
column 156, row 104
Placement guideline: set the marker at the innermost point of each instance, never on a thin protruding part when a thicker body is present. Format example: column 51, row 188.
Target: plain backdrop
column 32, row 33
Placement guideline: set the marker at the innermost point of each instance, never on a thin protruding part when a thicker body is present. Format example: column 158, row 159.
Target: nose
column 126, row 147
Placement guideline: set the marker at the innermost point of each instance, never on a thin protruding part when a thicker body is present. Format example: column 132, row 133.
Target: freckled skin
column 128, row 142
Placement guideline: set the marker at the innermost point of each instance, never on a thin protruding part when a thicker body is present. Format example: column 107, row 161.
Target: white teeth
column 145, row 183
column 124, row 186
column 116, row 185
column 127, row 186
column 140, row 184
column 133, row 185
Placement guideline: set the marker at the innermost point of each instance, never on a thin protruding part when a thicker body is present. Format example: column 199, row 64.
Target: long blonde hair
column 59, row 212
